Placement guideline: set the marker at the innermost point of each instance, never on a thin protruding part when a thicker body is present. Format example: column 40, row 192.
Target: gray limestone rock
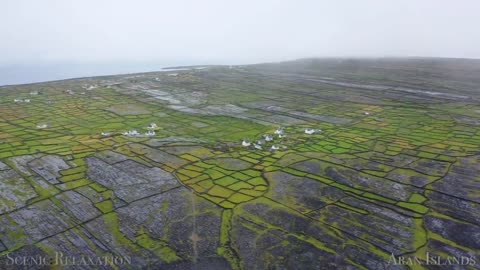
column 15, row 191
column 110, row 157
column 78, row 206
column 33, row 223
column 303, row 194
column 457, row 231
column 130, row 180
column 273, row 237
column 48, row 167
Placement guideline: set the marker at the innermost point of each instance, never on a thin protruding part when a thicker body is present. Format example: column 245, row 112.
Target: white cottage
column 150, row 133
column 246, row 143
column 309, row 131
column 268, row 137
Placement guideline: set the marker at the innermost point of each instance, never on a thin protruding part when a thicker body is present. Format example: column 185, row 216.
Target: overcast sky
column 37, row 32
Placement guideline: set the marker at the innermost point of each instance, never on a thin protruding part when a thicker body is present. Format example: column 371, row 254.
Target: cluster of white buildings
column 266, row 138
column 150, row 133
column 134, row 133
column 89, row 87
column 280, row 132
column 131, row 133
column 26, row 100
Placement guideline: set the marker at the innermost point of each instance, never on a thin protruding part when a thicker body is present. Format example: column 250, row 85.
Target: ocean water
column 25, row 74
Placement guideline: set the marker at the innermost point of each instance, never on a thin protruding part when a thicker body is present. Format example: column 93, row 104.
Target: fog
column 53, row 39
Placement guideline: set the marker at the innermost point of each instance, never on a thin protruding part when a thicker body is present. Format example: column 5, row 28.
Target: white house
column 150, row 133
column 274, row 147
column 268, row 137
column 152, row 126
column 257, row 146
column 279, row 131
column 309, row 131
column 246, row 143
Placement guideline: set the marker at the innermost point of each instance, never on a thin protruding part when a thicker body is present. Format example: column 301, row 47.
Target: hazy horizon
column 52, row 39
